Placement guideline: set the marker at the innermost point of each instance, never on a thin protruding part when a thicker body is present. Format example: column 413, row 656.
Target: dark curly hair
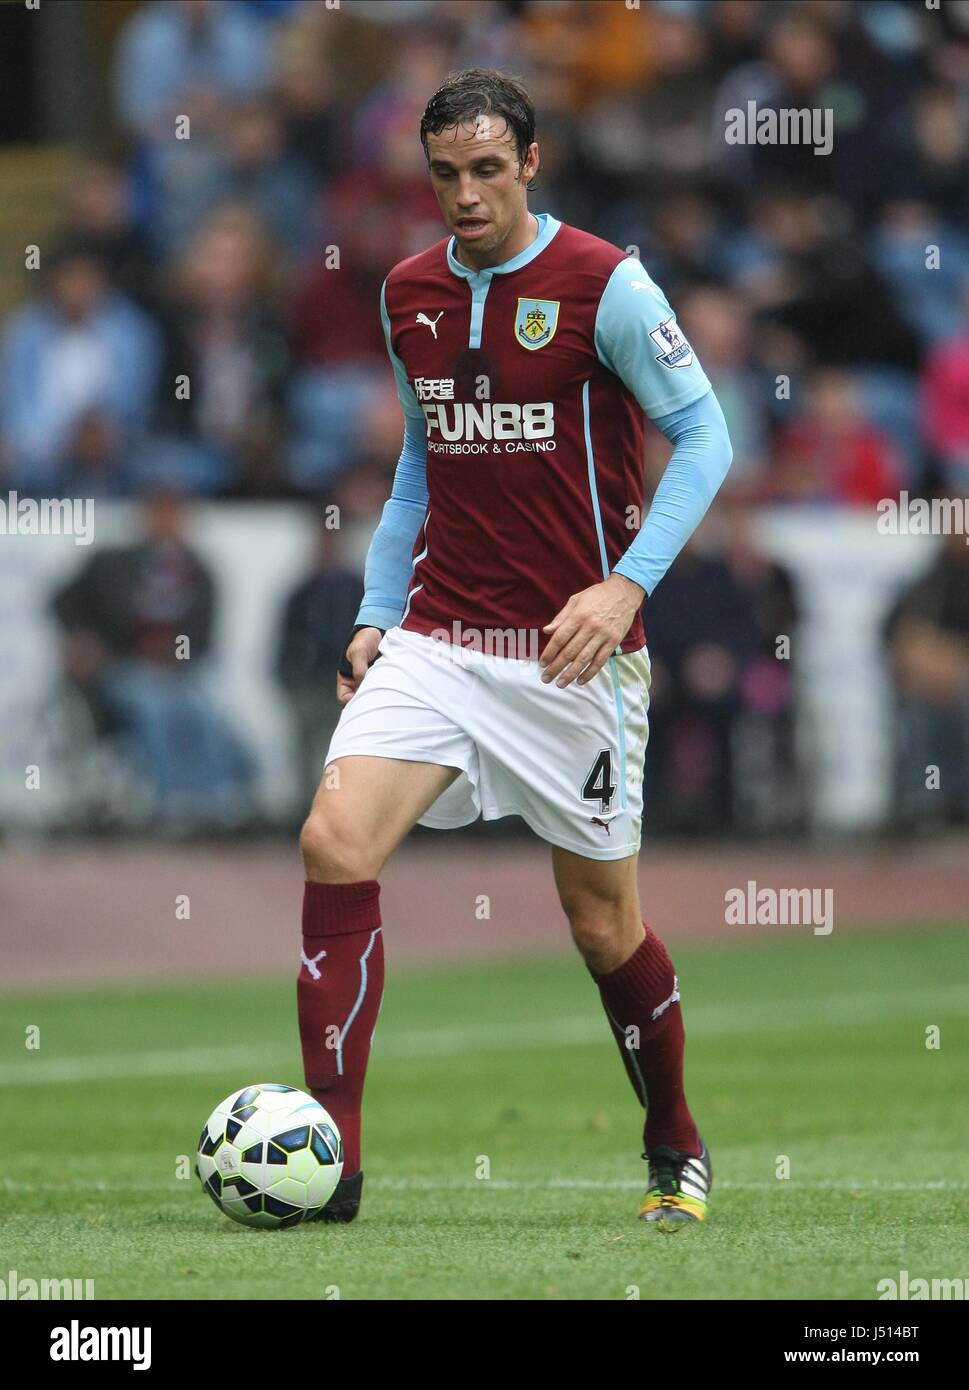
column 481, row 92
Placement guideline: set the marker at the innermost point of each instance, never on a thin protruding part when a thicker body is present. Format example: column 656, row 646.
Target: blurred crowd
column 206, row 322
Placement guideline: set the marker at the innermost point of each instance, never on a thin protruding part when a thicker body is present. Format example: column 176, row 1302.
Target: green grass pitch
column 813, row 1048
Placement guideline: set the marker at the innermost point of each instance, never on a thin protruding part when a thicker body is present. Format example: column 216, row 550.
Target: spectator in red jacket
column 831, row 453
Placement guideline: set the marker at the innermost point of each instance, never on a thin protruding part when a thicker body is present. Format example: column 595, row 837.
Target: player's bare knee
column 330, row 855
column 596, row 927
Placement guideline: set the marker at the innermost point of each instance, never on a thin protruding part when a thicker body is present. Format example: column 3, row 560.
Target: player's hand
column 588, row 629
column 361, row 654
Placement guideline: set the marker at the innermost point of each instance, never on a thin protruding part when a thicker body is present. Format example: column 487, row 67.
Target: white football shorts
column 568, row 761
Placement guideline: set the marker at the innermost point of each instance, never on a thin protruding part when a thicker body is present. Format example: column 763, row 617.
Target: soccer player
column 503, row 590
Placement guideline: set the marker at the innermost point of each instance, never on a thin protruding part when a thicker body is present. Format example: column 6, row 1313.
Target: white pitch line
column 515, row 1185
column 636, row 1184
column 788, row 1016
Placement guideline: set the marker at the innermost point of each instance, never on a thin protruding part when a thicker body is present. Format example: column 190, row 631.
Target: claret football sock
column 339, row 989
column 642, row 1002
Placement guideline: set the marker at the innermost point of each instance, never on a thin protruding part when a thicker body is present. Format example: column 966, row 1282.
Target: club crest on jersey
column 536, row 322
column 675, row 351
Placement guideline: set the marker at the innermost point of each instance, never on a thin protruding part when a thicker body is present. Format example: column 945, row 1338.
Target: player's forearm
column 389, row 559
column 701, row 457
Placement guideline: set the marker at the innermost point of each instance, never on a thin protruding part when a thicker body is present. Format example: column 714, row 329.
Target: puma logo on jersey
column 430, row 323
column 639, row 284
column 604, row 823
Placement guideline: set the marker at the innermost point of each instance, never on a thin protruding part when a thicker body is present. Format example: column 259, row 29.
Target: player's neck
column 521, row 235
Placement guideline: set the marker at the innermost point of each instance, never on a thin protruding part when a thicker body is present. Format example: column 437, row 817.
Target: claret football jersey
column 531, row 379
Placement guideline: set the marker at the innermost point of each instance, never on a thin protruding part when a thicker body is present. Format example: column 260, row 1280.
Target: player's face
column 481, row 190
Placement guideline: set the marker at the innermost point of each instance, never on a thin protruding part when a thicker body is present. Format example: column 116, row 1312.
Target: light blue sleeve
column 699, row 463
column 389, row 565
column 637, row 338
column 409, row 403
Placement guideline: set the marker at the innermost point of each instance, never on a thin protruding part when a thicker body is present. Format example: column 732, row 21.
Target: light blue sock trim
column 360, row 997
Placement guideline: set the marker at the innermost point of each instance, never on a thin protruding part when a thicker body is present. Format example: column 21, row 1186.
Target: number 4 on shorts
column 599, row 785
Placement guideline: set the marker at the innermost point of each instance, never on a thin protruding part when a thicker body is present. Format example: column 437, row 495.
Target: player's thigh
column 585, row 884
column 363, row 808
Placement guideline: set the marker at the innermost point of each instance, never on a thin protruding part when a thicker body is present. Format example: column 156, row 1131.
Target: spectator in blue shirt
column 186, row 58
column 79, row 354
